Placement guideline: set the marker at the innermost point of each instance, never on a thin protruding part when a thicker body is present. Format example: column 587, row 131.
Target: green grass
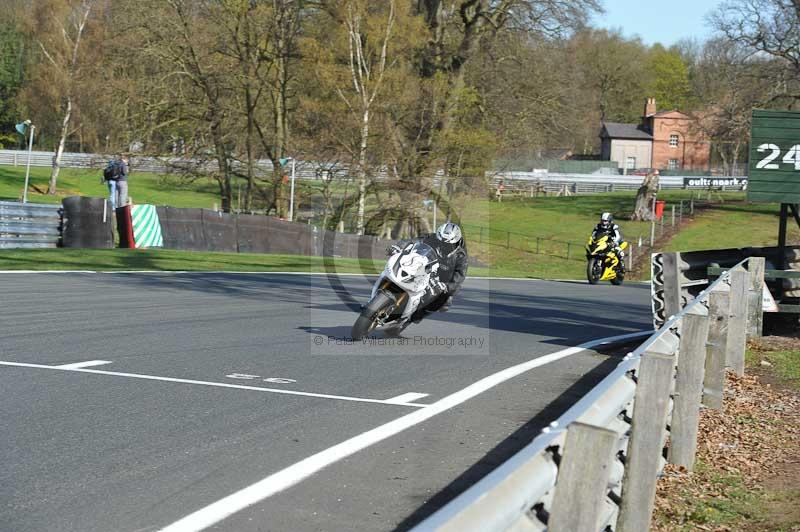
column 174, row 260
column 487, row 224
column 732, row 225
column 558, row 220
column 739, row 504
column 143, row 187
column 168, row 260
column 785, row 364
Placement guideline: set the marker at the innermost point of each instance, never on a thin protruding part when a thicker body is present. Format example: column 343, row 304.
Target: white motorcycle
column 398, row 292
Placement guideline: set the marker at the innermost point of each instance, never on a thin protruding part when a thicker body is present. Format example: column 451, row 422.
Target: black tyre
column 366, row 321
column 593, row 270
column 616, row 281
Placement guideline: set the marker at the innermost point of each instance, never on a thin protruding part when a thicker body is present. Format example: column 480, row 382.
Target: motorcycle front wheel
column 378, row 307
column 594, row 270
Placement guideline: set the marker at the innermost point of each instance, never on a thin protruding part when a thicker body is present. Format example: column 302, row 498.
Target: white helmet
column 449, row 232
column 606, row 219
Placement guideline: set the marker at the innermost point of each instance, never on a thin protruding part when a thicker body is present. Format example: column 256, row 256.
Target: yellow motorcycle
column 603, row 264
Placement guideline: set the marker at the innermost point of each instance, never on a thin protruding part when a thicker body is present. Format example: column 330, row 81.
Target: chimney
column 649, row 107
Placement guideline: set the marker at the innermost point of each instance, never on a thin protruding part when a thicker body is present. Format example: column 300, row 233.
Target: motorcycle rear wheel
column 367, row 320
column 593, row 270
column 616, row 281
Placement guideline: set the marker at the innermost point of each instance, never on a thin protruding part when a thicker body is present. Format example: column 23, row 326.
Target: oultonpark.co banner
column 139, row 227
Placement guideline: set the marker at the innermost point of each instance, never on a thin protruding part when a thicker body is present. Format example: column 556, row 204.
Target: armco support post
column 651, row 406
column 714, row 379
column 582, row 481
column 755, row 312
column 737, row 321
column 672, row 284
column 688, row 387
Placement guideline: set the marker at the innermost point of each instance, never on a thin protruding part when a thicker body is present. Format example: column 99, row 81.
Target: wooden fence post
column 688, row 387
column 714, row 378
column 648, row 428
column 755, row 312
column 737, row 321
column 582, row 481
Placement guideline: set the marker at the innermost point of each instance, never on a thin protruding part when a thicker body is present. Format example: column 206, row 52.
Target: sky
column 658, row 21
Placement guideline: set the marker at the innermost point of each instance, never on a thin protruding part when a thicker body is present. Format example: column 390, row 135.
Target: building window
column 672, row 164
column 630, row 163
column 673, row 141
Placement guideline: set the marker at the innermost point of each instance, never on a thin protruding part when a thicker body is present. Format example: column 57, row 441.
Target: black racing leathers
column 612, row 230
column 452, row 262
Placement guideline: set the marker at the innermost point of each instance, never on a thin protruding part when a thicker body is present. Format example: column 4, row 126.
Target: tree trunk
column 223, row 163
column 643, row 210
column 51, row 189
column 362, row 172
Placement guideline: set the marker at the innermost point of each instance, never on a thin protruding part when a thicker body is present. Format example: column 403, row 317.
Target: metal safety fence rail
column 520, row 182
column 596, row 466
column 29, row 225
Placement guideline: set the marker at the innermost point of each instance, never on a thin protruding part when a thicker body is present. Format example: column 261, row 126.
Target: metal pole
column 434, row 214
column 653, row 223
column 28, row 169
column 673, row 216
column 652, row 231
column 291, row 197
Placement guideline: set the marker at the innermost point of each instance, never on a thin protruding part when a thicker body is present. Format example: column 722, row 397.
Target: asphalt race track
column 236, row 402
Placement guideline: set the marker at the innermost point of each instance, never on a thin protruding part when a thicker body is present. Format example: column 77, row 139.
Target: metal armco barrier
column 29, row 225
column 596, row 466
column 679, row 277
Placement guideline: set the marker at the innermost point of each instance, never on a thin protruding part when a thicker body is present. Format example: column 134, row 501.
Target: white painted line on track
column 212, row 384
column 277, row 482
column 87, row 364
column 406, row 398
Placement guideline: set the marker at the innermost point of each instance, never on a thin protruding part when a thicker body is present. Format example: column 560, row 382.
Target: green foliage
column 670, row 84
column 13, row 59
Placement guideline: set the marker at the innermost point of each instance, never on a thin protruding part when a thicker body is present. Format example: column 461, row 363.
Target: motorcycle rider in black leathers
column 606, row 226
column 452, row 250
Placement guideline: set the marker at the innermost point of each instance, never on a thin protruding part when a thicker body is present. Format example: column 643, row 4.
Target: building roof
column 661, row 114
column 616, row 130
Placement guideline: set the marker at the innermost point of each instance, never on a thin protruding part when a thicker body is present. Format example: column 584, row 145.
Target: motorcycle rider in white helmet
column 452, row 250
column 606, row 226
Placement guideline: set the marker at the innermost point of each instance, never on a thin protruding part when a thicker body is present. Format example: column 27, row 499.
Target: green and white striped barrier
column 146, row 227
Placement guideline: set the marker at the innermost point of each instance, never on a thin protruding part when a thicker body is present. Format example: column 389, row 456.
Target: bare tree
column 768, row 27
column 367, row 67
column 59, row 29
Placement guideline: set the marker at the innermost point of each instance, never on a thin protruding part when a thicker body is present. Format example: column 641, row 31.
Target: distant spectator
column 116, row 177
column 499, row 192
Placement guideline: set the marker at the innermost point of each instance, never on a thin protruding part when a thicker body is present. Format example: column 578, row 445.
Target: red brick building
column 666, row 140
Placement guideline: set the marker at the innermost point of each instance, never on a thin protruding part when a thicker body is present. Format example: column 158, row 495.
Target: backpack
column 112, row 171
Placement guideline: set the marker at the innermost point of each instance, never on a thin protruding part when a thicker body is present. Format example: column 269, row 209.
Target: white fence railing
column 596, row 466
column 552, row 182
